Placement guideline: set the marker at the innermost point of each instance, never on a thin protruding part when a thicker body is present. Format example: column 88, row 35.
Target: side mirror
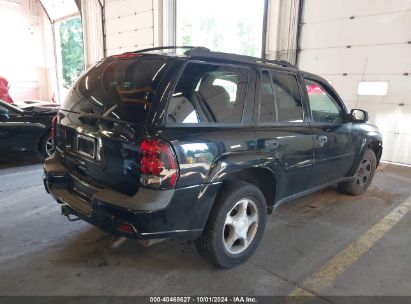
column 358, row 116
column 4, row 113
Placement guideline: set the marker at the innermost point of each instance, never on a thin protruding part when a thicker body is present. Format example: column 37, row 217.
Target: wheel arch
column 260, row 177
column 246, row 167
column 376, row 147
column 368, row 142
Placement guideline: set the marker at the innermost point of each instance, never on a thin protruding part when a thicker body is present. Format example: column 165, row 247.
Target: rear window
column 208, row 94
column 120, row 89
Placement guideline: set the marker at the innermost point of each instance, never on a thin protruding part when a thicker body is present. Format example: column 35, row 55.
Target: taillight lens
column 53, row 128
column 126, row 228
column 158, row 164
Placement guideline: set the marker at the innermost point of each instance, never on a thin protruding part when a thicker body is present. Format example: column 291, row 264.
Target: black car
column 202, row 146
column 26, row 127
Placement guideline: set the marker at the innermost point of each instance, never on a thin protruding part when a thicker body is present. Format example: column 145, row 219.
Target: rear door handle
column 322, row 139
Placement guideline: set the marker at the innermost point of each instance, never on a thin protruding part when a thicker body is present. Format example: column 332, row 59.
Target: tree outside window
column 72, row 57
column 233, row 26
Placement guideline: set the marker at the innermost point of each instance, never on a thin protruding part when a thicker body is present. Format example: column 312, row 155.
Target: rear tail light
column 126, row 228
column 158, row 165
column 53, row 128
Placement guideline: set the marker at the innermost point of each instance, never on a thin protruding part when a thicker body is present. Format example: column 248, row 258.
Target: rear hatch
column 102, row 120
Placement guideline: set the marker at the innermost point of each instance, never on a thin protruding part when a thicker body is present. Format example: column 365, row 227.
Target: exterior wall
column 24, row 52
column 348, row 41
column 282, row 30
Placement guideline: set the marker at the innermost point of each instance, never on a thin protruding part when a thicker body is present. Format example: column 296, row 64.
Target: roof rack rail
column 169, row 48
column 205, row 52
column 279, row 62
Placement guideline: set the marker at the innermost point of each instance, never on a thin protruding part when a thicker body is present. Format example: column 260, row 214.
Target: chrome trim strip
column 171, row 231
column 22, row 124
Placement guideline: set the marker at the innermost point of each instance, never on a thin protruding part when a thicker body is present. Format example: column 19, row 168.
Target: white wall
column 24, row 51
column 378, row 33
column 129, row 25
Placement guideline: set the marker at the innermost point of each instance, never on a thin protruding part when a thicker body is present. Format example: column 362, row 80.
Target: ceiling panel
column 60, row 8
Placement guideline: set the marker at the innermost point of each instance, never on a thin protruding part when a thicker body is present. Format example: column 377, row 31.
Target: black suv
column 202, row 145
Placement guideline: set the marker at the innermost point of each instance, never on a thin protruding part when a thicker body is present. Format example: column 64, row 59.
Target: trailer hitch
column 66, row 211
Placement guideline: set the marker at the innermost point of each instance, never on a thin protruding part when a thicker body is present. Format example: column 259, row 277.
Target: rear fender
column 228, row 164
column 248, row 167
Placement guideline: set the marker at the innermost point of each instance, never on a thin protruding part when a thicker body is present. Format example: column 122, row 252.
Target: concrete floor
column 41, row 253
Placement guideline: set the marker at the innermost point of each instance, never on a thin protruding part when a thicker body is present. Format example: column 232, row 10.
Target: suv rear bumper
column 179, row 213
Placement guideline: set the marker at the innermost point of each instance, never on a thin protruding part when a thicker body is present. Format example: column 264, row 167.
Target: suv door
column 334, row 148
column 208, row 120
column 284, row 138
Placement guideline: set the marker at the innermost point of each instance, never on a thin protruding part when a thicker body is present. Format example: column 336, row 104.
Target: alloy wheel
column 49, row 146
column 240, row 226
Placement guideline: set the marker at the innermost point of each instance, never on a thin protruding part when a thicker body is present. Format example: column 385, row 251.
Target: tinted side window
column 324, row 108
column 288, row 99
column 267, row 103
column 209, row 93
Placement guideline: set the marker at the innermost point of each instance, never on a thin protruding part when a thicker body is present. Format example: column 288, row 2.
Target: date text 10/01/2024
column 203, row 299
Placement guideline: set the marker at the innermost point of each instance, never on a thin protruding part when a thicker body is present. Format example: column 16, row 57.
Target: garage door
column 129, row 25
column 349, row 42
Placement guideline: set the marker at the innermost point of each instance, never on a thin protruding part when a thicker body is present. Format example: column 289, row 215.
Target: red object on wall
column 314, row 89
column 4, row 90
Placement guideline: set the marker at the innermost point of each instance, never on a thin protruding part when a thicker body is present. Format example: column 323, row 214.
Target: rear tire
column 235, row 226
column 363, row 176
column 46, row 147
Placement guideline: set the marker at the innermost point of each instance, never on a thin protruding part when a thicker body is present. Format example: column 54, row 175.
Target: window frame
column 332, row 93
column 264, row 123
column 305, row 120
column 244, row 117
